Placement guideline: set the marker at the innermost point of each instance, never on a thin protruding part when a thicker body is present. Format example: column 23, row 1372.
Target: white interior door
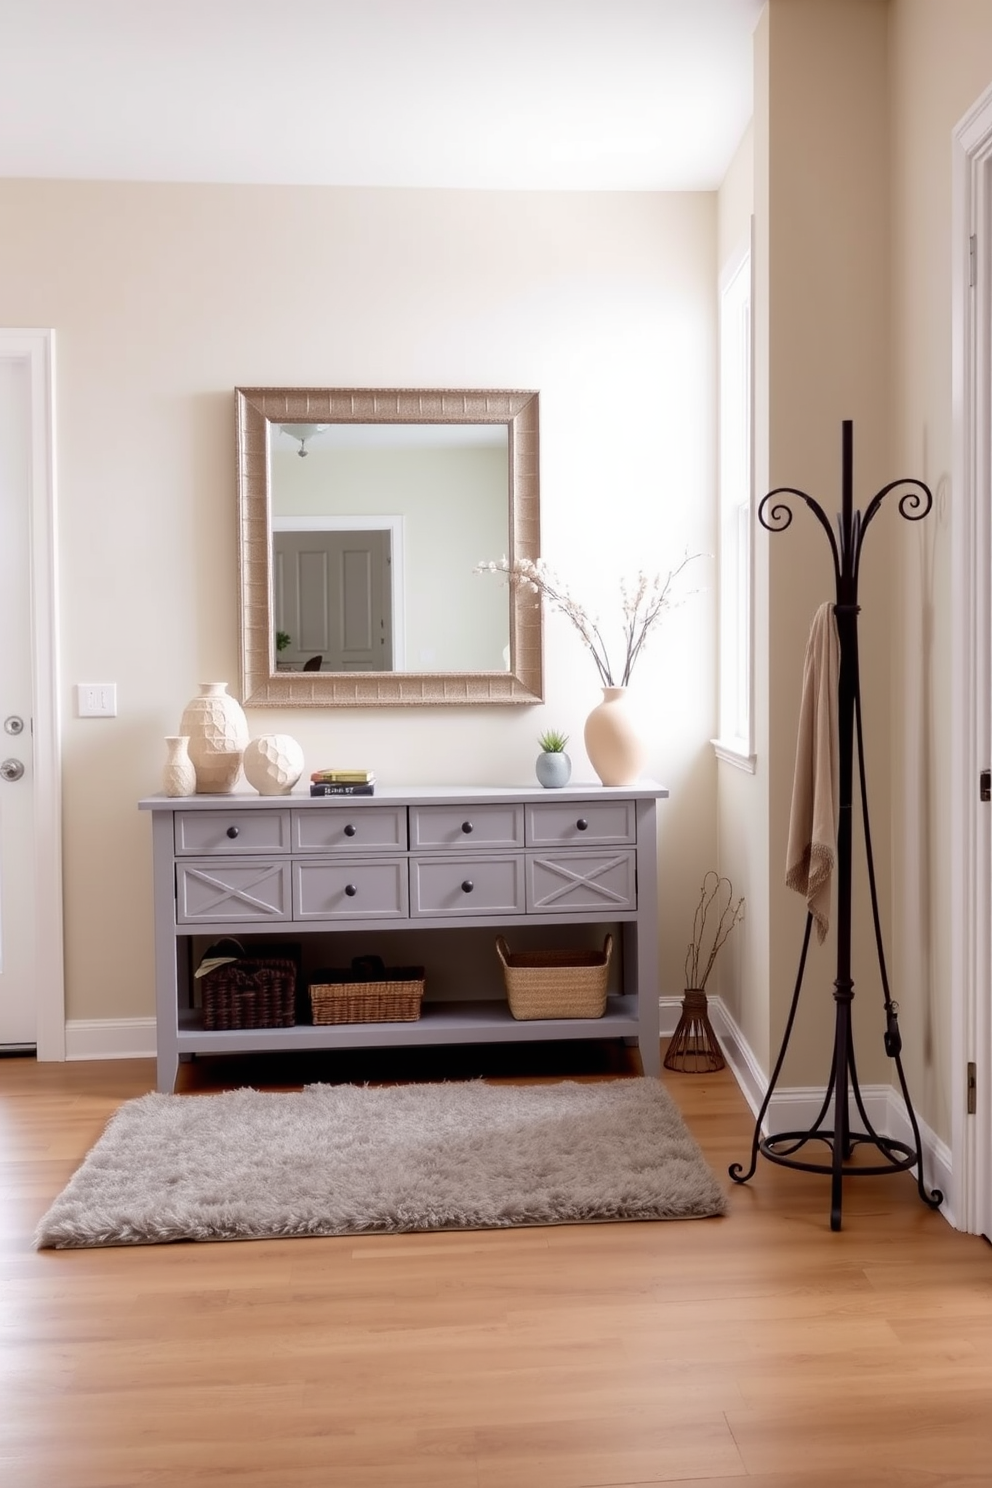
column 31, row 975
column 971, row 677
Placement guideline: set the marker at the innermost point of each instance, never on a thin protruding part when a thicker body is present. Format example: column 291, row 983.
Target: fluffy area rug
column 355, row 1160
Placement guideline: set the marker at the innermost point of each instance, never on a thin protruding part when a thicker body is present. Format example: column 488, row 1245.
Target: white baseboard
column 796, row 1109
column 110, row 1038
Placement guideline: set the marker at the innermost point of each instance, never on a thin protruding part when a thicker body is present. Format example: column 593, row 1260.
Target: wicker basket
column 556, row 984
column 367, row 992
column 250, row 992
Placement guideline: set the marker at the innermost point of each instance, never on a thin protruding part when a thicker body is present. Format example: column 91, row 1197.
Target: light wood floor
column 758, row 1349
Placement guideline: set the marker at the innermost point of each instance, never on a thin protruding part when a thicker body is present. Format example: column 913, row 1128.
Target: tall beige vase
column 615, row 750
column 218, row 734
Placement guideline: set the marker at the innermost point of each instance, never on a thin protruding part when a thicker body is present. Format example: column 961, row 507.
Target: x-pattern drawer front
column 207, row 891
column 572, row 882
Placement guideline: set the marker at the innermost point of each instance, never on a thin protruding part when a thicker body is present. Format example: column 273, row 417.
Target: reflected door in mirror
column 332, row 598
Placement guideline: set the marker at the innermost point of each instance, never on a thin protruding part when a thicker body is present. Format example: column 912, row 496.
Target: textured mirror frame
column 262, row 686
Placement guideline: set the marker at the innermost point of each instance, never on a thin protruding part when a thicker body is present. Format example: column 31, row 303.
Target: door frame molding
column 971, row 672
column 35, row 349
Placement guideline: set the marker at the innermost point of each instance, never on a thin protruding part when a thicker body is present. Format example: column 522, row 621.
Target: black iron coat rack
column 842, row 1085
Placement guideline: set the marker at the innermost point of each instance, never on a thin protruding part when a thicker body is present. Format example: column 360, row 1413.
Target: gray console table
column 416, row 858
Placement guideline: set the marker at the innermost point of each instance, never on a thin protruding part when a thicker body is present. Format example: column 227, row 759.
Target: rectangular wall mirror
column 362, row 514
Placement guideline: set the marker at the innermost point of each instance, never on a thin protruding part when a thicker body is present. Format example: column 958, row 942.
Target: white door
column 31, row 979
column 971, row 698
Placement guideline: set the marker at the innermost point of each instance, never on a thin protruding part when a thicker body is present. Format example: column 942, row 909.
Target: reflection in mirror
column 360, row 513
column 363, row 515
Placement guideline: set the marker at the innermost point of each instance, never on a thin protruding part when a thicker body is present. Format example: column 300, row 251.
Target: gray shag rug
column 356, row 1160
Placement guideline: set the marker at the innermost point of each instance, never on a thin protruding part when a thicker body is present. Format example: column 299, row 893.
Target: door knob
column 11, row 769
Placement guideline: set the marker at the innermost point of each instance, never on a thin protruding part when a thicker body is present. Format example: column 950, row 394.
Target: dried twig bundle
column 715, row 917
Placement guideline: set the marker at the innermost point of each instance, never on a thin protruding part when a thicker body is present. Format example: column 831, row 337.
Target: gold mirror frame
column 264, row 687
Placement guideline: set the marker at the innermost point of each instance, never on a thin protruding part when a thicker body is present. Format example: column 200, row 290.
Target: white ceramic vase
column 178, row 774
column 615, row 750
column 217, row 729
column 273, row 763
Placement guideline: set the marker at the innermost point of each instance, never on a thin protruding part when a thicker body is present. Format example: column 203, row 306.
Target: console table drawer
column 252, row 892
column 467, row 886
column 231, row 833
column 468, row 827
column 580, row 823
column 578, row 882
column 350, row 828
column 371, row 890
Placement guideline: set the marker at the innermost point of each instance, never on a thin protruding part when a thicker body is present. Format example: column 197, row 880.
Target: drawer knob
column 232, row 832
column 467, row 886
column 582, row 824
column 350, row 890
column 350, row 830
column 466, row 826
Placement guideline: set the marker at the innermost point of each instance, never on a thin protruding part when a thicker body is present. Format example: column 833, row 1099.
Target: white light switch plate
column 97, row 699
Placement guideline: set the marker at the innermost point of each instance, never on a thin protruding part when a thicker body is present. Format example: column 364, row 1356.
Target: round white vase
column 217, row 729
column 615, row 750
column 553, row 769
column 273, row 763
column 178, row 774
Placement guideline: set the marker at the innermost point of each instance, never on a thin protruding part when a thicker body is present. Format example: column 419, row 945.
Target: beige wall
column 164, row 298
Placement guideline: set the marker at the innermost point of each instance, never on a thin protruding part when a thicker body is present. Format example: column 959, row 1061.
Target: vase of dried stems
column 616, row 751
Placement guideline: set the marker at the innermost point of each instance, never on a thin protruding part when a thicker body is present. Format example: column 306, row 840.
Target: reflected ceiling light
column 303, row 432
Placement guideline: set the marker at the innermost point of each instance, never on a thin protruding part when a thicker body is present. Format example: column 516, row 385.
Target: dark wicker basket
column 250, row 993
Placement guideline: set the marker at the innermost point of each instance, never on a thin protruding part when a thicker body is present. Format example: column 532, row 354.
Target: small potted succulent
column 553, row 766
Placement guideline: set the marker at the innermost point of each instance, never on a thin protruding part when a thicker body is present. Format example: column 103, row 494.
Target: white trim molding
column 110, row 1038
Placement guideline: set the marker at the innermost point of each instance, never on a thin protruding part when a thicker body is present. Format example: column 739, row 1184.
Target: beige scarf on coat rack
column 812, row 850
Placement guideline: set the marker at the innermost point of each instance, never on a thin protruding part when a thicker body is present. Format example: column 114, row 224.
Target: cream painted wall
column 820, row 189
column 941, row 59
column 164, row 298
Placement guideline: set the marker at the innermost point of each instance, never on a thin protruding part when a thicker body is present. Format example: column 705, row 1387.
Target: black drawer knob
column 350, row 830
column 466, row 826
column 350, row 890
column 582, row 824
column 232, row 832
column 468, row 886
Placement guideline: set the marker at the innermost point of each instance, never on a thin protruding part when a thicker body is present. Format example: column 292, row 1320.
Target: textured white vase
column 273, row 763
column 178, row 774
column 615, row 750
column 217, row 729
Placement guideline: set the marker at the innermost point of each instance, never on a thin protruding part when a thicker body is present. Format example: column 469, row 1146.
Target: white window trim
column 735, row 748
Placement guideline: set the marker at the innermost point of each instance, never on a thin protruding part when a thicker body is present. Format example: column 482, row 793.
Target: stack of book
column 342, row 783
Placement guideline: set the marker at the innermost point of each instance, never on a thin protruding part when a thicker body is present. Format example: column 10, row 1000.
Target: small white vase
column 178, row 774
column 553, row 769
column 615, row 750
column 273, row 763
column 217, row 729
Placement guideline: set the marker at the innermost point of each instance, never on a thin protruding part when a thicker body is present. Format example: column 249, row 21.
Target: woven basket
column 250, row 993
column 360, row 995
column 556, row 984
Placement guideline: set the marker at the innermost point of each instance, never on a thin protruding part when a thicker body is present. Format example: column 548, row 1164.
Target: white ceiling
column 600, row 95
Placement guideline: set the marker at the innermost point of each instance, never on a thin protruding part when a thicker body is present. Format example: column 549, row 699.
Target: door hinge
column 972, row 257
column 972, row 1090
column 985, row 786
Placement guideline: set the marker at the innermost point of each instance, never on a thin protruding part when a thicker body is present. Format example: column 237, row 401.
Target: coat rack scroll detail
column 842, row 1087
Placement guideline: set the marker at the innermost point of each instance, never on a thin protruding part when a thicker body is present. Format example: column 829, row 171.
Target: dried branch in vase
column 643, row 602
column 715, row 917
